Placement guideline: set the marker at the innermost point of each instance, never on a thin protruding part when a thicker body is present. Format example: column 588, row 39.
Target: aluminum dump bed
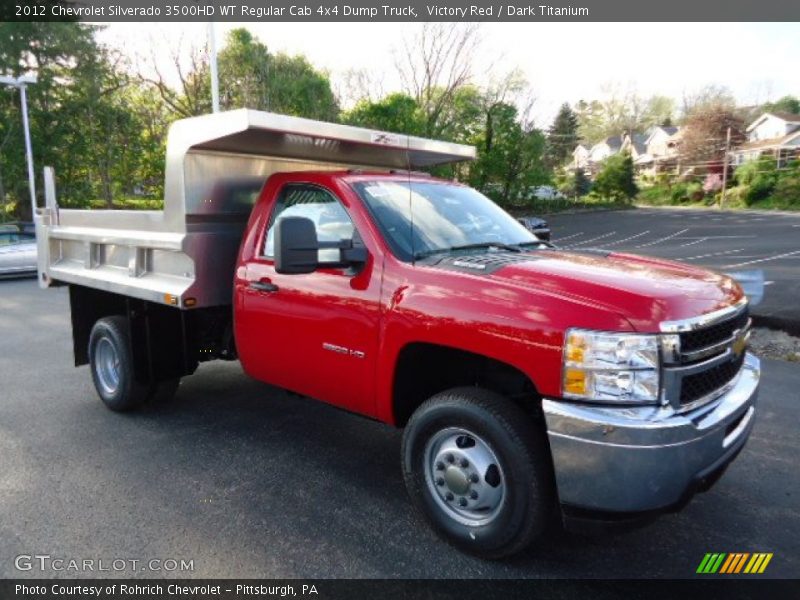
column 215, row 167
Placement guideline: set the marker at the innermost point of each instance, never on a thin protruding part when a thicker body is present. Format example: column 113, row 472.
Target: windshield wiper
column 498, row 245
column 536, row 243
column 476, row 246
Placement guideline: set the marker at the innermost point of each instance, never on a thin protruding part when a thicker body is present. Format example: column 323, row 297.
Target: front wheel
column 479, row 471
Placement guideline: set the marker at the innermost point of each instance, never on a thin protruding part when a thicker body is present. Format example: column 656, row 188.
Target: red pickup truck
column 530, row 381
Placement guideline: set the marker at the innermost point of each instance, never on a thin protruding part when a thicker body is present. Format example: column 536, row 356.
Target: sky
column 562, row 62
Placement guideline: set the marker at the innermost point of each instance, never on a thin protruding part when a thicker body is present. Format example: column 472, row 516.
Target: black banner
column 463, row 589
column 400, row 10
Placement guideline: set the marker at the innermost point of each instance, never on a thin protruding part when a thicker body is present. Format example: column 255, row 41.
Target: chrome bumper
column 646, row 458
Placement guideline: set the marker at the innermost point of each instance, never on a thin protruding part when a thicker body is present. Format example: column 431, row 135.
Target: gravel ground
column 769, row 343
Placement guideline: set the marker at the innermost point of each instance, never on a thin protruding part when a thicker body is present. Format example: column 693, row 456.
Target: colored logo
column 734, row 562
column 739, row 342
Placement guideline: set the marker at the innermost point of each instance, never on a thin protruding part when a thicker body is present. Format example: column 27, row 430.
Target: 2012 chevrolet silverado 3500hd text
column 530, row 381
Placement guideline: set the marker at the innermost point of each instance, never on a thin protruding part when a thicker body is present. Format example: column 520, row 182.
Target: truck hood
column 641, row 289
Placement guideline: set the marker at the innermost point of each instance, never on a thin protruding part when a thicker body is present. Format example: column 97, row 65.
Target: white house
column 605, row 148
column 661, row 149
column 580, row 156
column 662, row 141
column 773, row 134
column 771, row 126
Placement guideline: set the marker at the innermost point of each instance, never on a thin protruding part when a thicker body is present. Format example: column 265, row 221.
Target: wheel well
column 166, row 342
column 427, row 369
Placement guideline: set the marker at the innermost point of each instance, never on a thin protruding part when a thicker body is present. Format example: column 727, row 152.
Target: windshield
column 445, row 218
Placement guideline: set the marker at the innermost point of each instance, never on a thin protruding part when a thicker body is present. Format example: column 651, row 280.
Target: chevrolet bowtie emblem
column 739, row 342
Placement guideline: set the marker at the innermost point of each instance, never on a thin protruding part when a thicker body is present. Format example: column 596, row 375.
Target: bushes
column 786, row 194
column 615, row 181
column 760, row 188
column 757, row 184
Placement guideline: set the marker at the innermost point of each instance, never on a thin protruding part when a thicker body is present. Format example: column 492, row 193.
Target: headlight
column 610, row 367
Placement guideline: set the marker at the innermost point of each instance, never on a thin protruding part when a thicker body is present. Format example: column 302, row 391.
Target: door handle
column 263, row 286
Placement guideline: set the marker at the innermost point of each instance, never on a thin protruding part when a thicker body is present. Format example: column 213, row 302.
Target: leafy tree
column 63, row 56
column 573, row 183
column 509, row 157
column 615, row 180
column 251, row 77
column 299, row 89
column 787, row 104
column 618, row 112
column 397, row 112
column 562, row 137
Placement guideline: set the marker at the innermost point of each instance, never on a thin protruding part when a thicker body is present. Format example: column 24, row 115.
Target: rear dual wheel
column 112, row 366
column 479, row 471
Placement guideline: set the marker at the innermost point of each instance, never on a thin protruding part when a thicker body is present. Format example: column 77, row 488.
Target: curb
column 790, row 326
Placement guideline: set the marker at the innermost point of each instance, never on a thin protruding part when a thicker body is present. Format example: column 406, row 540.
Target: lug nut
column 440, row 466
column 474, row 478
column 449, row 496
column 449, row 458
column 439, row 481
column 473, row 494
column 464, row 463
column 462, row 501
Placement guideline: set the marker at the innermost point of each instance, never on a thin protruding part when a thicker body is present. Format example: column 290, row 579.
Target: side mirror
column 296, row 246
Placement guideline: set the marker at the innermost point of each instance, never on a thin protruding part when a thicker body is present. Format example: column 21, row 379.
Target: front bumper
column 642, row 459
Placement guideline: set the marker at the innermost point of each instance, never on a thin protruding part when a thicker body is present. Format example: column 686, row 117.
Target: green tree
column 562, row 137
column 787, row 104
column 251, row 77
column 615, row 181
column 65, row 57
column 397, row 112
column 510, row 157
column 573, row 183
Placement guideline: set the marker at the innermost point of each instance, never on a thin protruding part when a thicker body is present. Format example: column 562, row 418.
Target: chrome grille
column 714, row 334
column 694, row 387
column 709, row 359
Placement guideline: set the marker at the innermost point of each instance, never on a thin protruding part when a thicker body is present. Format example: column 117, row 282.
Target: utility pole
column 725, row 169
column 212, row 48
column 21, row 84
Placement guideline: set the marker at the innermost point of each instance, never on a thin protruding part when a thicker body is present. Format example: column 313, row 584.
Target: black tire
column 524, row 460
column 119, row 391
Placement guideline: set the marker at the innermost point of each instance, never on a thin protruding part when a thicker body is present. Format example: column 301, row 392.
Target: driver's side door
column 316, row 333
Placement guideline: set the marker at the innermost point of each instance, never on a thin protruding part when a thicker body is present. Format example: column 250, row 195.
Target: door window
column 331, row 220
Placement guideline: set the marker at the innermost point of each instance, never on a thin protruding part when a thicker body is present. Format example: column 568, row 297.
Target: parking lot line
column 663, row 239
column 765, row 259
column 723, row 253
column 599, row 237
column 623, row 240
column 569, row 237
column 697, row 241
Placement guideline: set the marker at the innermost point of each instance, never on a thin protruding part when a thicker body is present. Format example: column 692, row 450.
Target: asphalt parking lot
column 727, row 241
column 248, row 481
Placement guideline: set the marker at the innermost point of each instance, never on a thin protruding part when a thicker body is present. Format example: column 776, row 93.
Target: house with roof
column 605, row 148
column 773, row 134
column 661, row 147
column 634, row 144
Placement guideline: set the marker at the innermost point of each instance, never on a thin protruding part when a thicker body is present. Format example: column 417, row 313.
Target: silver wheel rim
column 464, row 476
column 106, row 365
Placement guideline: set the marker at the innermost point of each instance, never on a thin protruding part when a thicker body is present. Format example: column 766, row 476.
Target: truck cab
column 530, row 382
